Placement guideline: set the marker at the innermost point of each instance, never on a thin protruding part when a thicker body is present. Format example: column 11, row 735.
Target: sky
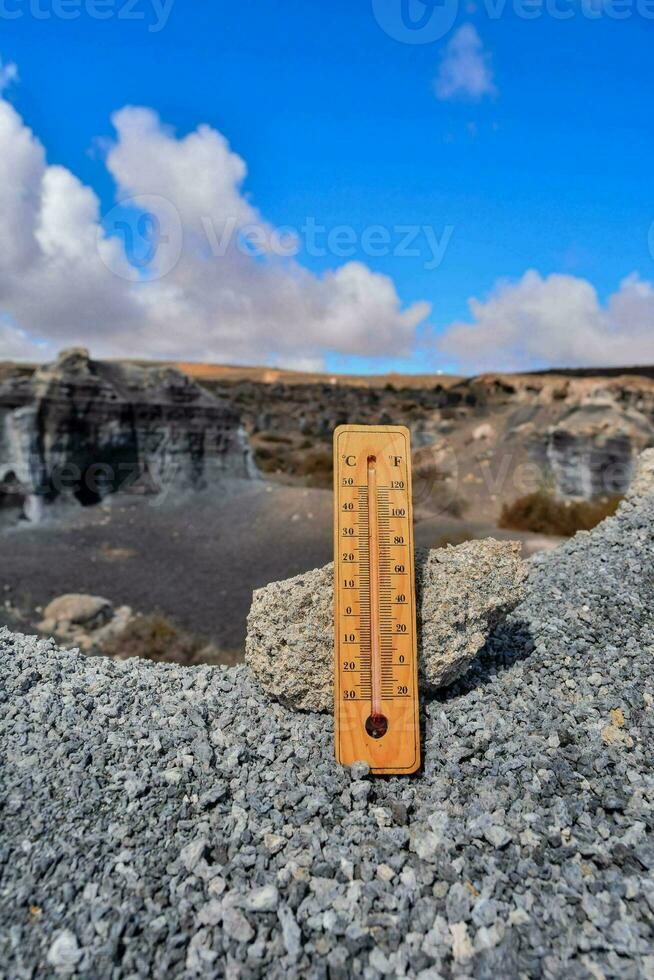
column 408, row 185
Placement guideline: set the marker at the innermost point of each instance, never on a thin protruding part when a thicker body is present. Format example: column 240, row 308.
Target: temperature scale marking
column 376, row 664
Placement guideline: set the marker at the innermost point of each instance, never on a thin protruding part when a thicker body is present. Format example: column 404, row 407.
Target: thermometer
column 376, row 664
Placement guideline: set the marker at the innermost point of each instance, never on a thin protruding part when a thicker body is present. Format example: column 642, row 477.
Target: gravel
column 163, row 821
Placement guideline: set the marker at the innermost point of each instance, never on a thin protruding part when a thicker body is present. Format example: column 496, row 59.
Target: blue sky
column 546, row 165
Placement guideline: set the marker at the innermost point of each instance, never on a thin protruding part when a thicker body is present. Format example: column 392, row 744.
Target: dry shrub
column 305, row 458
column 316, row 465
column 271, row 459
column 273, row 453
column 543, row 513
column 154, row 637
column 436, row 493
column 275, row 437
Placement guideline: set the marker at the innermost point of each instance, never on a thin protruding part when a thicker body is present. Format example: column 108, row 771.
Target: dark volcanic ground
column 196, row 559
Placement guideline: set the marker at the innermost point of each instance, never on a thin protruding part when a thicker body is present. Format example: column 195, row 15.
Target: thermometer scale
column 376, row 676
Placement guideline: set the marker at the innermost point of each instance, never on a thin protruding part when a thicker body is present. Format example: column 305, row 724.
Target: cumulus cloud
column 8, row 74
column 465, row 71
column 554, row 320
column 166, row 274
column 15, row 344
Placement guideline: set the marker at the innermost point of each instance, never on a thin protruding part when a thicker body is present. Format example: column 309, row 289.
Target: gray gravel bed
column 159, row 821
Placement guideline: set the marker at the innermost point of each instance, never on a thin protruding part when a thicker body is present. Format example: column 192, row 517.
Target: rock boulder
column 85, row 621
column 78, row 609
column 462, row 593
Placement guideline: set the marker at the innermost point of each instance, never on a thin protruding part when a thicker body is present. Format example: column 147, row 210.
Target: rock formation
column 81, row 429
column 462, row 593
column 473, row 437
column 576, row 433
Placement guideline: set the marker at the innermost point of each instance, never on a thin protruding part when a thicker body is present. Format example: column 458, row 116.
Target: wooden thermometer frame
column 376, row 709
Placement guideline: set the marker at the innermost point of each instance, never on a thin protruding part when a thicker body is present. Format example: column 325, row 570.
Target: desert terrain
column 227, row 474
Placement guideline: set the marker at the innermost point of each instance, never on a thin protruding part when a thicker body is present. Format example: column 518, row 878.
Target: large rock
column 462, row 593
column 642, row 483
column 85, row 621
column 79, row 428
column 79, row 609
column 290, row 639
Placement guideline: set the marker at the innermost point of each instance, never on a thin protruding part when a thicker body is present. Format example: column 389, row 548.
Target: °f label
column 376, row 669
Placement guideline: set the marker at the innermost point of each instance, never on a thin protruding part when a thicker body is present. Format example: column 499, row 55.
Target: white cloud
column 65, row 279
column 555, row 320
column 8, row 74
column 15, row 345
column 465, row 71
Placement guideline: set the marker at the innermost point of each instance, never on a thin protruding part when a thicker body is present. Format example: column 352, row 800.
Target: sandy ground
column 195, row 559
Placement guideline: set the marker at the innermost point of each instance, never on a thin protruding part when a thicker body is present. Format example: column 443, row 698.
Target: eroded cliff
column 481, row 441
column 81, row 429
